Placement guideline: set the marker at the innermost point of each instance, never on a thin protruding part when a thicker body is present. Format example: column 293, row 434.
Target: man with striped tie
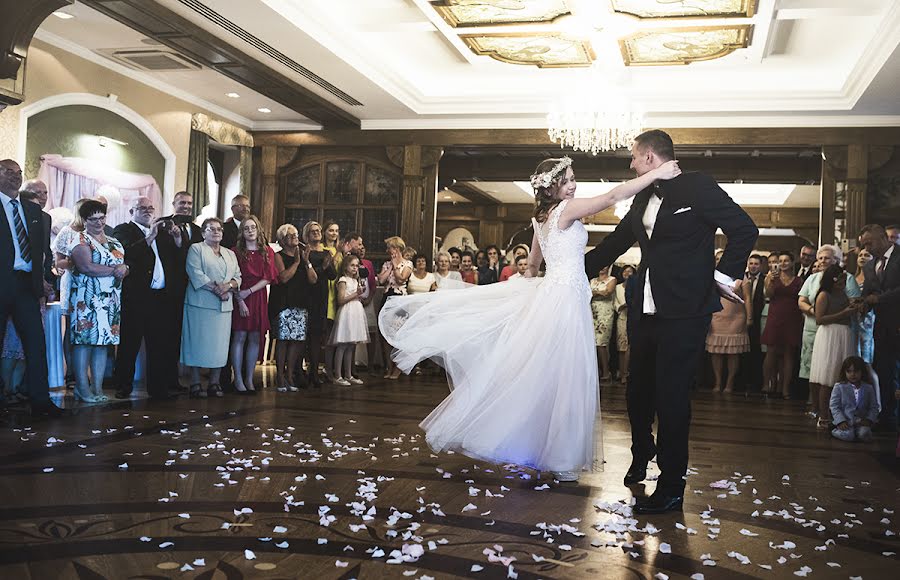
column 24, row 258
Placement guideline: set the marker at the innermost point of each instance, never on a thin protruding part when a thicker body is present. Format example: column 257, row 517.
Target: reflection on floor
column 339, row 483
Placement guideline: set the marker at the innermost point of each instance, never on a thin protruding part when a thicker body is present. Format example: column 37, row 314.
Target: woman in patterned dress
column 603, row 291
column 95, row 298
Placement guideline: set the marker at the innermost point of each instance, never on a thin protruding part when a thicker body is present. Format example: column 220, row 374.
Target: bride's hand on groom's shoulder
column 728, row 293
column 668, row 170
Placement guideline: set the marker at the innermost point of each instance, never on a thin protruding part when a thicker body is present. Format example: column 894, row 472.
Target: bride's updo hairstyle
column 546, row 180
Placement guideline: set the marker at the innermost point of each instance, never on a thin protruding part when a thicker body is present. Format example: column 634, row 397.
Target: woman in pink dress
column 250, row 320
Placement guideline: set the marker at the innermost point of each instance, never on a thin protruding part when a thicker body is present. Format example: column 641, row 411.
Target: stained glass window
column 382, row 187
column 342, row 182
column 378, row 225
column 303, row 186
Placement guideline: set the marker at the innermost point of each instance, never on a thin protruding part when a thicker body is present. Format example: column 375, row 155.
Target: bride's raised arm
column 577, row 209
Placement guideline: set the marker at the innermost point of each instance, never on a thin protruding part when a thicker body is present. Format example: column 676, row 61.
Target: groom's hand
column 728, row 293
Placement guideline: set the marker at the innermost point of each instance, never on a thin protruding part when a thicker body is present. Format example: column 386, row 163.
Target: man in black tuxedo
column 183, row 216
column 150, row 300
column 677, row 289
column 25, row 262
column 804, row 267
column 753, row 359
column 240, row 210
column 881, row 291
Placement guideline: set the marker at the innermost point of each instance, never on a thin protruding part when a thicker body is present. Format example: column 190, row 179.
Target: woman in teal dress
column 95, row 297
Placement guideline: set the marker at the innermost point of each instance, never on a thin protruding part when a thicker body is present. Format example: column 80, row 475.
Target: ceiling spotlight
column 448, row 197
column 232, row 95
column 264, row 110
column 63, row 15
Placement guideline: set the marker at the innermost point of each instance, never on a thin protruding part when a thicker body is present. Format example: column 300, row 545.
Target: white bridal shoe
column 565, row 475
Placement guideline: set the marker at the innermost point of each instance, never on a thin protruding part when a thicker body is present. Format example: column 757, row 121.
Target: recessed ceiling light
column 63, row 15
column 448, row 197
column 232, row 95
column 264, row 110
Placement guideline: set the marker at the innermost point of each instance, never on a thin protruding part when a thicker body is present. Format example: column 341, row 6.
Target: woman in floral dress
column 95, row 297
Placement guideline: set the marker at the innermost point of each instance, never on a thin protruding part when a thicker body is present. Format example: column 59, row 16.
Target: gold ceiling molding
column 670, row 46
column 463, row 13
column 222, row 132
column 541, row 49
column 686, row 8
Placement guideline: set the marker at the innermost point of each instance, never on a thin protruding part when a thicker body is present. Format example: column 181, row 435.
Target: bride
column 520, row 355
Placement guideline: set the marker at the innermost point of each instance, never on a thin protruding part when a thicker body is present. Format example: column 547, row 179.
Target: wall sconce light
column 105, row 141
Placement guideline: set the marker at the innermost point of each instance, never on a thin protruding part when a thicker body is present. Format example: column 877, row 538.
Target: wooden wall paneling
column 429, row 213
column 266, row 204
column 857, row 183
column 412, row 197
column 826, row 209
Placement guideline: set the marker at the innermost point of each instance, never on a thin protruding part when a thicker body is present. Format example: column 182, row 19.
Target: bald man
column 24, row 257
column 35, row 190
column 240, row 210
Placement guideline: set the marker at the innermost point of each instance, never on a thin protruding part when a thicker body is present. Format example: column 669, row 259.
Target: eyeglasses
column 96, row 219
column 147, row 208
column 214, row 230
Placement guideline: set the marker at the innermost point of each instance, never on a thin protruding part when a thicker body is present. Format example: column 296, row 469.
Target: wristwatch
column 309, row 265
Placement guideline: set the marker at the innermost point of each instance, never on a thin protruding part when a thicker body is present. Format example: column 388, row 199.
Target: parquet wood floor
column 333, row 483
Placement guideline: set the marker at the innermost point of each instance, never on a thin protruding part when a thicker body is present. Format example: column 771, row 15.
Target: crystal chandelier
column 594, row 130
column 594, row 117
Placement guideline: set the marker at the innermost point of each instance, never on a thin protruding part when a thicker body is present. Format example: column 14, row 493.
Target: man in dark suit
column 807, row 260
column 183, row 216
column 753, row 359
column 677, row 289
column 240, row 210
column 25, row 258
column 150, row 300
column 881, row 291
column 36, row 190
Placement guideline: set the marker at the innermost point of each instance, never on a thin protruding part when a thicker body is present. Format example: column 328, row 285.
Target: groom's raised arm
column 720, row 211
column 613, row 246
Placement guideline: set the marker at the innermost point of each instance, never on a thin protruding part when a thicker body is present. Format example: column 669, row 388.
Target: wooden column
column 266, row 203
column 857, row 182
column 411, row 218
column 826, row 207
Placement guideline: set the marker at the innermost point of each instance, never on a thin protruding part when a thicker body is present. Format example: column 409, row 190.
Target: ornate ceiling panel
column 683, row 45
column 545, row 50
column 485, row 12
column 686, row 8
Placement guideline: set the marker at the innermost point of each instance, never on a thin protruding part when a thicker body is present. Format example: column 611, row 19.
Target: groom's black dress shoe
column 636, row 473
column 658, row 503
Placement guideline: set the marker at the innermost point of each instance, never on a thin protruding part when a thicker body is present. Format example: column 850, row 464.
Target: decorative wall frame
column 465, row 13
column 672, row 46
column 653, row 9
column 541, row 49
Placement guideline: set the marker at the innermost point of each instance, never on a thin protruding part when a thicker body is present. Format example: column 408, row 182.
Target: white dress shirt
column 18, row 262
column 881, row 264
column 158, row 281
column 649, row 222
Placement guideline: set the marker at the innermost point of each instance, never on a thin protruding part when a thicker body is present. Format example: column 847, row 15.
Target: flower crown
column 539, row 180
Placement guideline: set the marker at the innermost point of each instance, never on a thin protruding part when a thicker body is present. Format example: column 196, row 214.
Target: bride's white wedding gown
column 520, row 357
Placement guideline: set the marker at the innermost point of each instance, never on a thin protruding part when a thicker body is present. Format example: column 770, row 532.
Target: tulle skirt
column 522, row 367
column 833, row 344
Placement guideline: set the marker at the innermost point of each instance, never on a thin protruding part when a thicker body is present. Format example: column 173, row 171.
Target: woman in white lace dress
column 539, row 408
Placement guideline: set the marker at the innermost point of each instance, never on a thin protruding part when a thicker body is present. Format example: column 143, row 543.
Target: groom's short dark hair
column 659, row 142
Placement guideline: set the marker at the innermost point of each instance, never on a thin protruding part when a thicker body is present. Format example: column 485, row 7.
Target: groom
column 677, row 290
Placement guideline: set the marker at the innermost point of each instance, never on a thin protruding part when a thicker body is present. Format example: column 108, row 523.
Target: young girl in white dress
column 350, row 326
column 539, row 408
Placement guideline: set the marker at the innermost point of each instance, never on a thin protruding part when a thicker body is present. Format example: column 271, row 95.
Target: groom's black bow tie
column 659, row 191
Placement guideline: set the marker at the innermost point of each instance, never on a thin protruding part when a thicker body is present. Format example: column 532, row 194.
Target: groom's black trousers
column 665, row 355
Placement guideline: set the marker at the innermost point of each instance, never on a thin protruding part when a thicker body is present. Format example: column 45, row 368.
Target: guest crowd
column 203, row 299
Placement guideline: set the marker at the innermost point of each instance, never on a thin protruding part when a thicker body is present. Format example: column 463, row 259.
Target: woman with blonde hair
column 66, row 240
column 250, row 320
column 444, row 275
column 321, row 262
column 287, row 305
column 539, row 408
column 394, row 276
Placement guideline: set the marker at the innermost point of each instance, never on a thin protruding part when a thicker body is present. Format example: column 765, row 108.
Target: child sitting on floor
column 854, row 407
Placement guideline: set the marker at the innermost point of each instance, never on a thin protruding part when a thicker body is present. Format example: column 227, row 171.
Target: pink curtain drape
column 69, row 179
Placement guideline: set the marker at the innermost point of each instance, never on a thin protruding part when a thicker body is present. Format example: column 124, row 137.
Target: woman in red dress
column 784, row 326
column 250, row 320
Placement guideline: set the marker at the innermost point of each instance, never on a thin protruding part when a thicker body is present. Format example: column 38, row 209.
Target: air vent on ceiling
column 151, row 60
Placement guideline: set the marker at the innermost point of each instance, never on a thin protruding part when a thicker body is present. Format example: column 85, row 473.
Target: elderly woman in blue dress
column 213, row 278
column 95, row 297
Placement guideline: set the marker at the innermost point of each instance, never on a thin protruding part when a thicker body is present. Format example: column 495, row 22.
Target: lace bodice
column 563, row 250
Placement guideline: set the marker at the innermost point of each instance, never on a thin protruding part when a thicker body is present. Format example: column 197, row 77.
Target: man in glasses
column 240, row 210
column 150, row 298
column 24, row 258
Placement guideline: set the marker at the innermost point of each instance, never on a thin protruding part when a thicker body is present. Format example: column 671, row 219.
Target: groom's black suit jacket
column 680, row 255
